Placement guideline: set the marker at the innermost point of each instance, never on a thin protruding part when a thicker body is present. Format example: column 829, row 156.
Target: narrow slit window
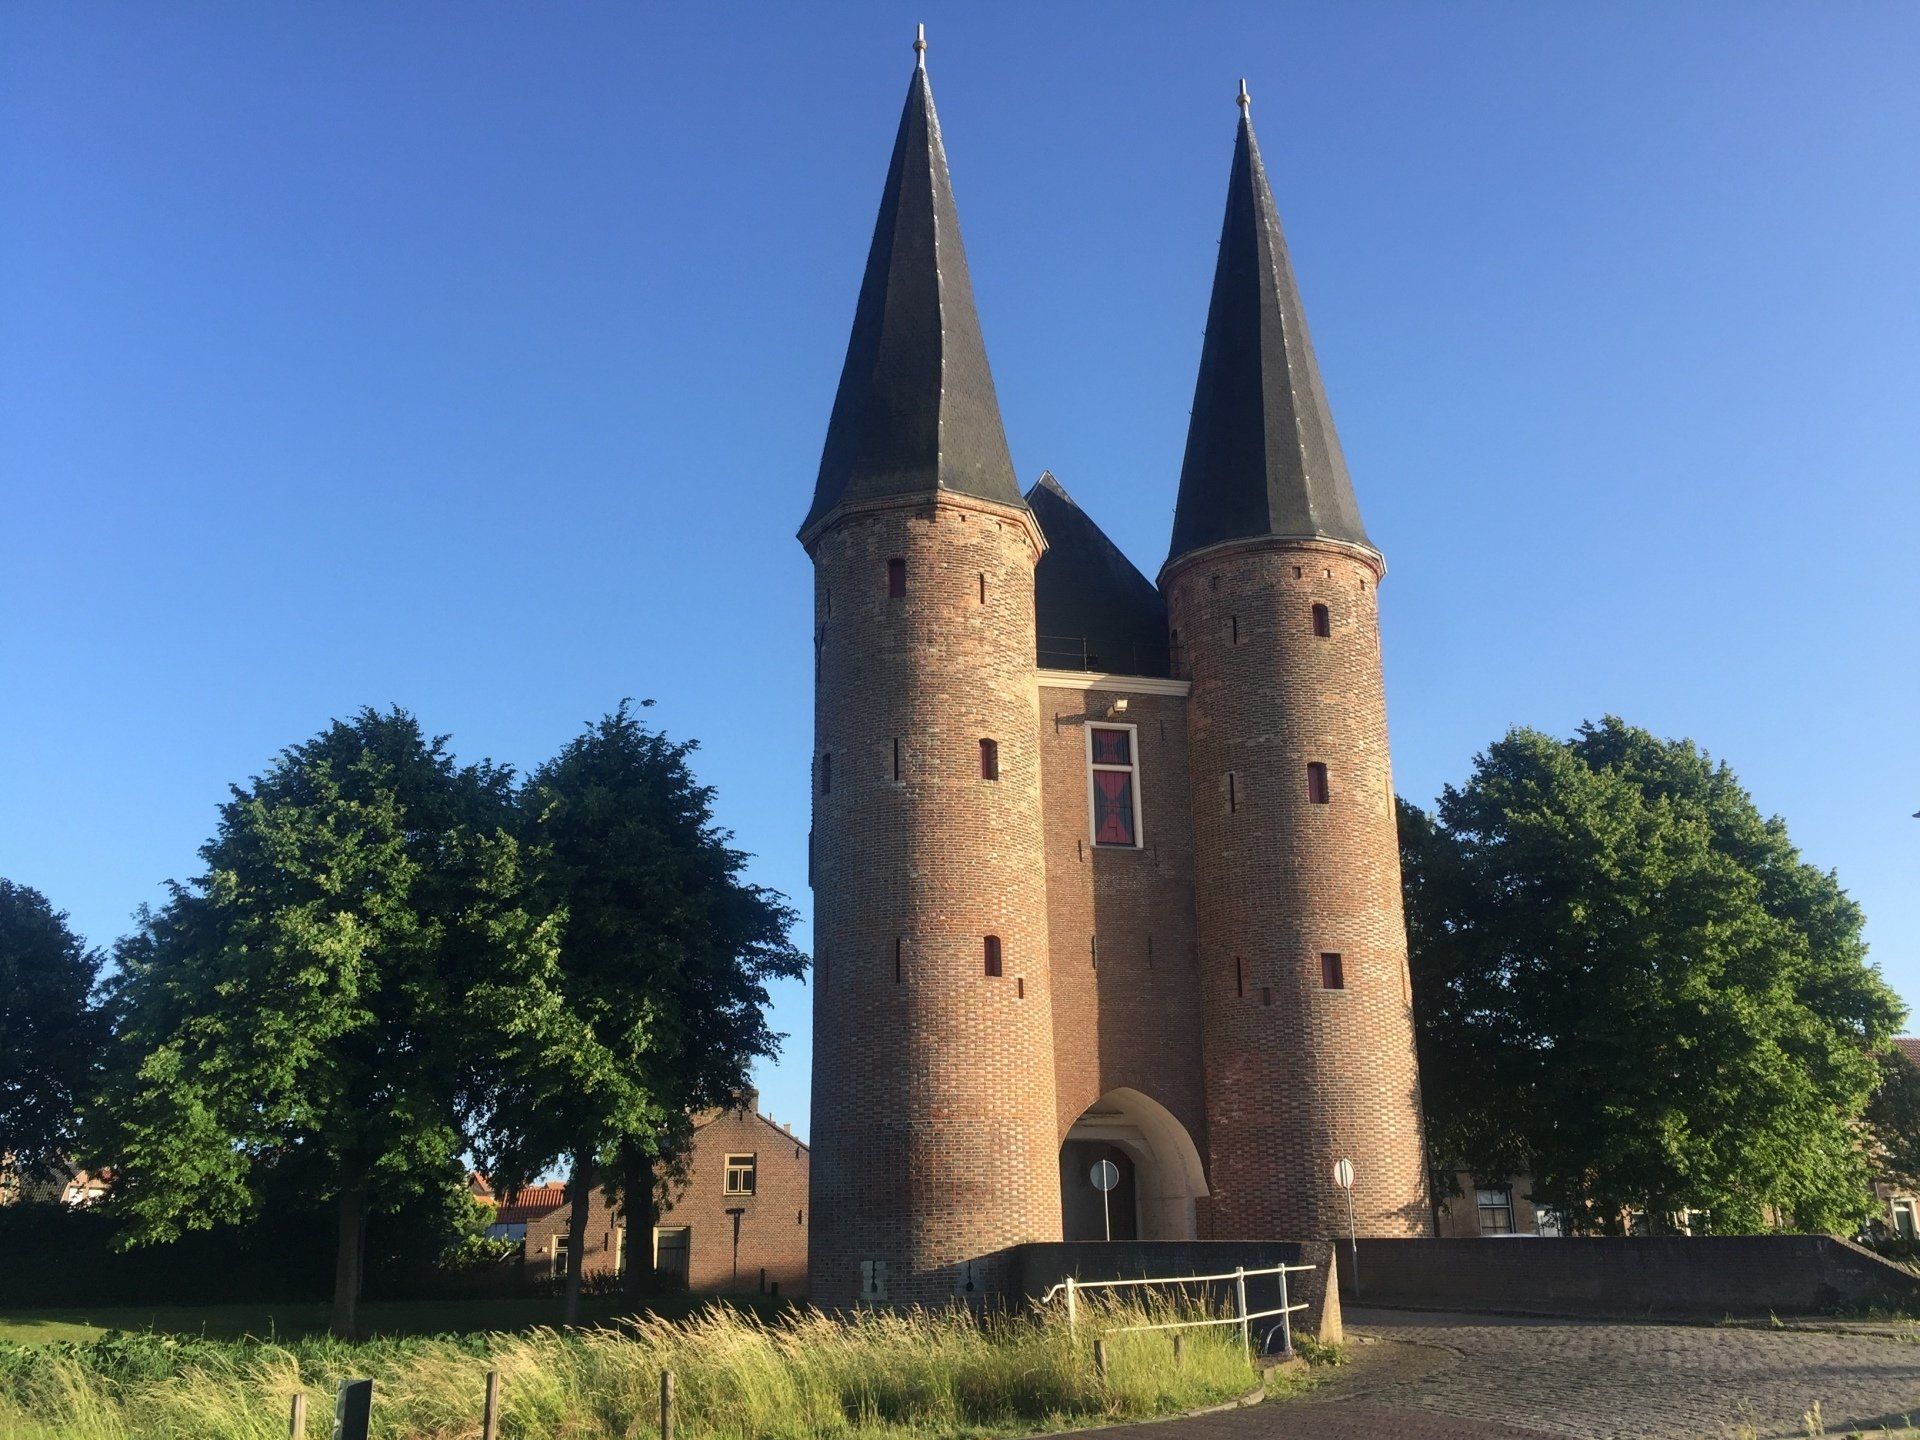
column 1322, row 621
column 896, row 757
column 1234, row 622
column 993, row 956
column 989, row 759
column 1020, row 988
column 983, row 587
column 1239, row 978
column 1113, row 785
column 896, row 579
column 826, row 772
column 1317, row 792
column 899, row 946
column 1233, row 793
column 1333, row 974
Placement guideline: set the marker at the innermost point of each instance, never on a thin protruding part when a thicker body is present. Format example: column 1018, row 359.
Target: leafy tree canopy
column 1629, row 985
column 51, row 1035
column 360, row 943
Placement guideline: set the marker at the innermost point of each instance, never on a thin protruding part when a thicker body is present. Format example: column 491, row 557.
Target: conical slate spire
column 1262, row 457
column 916, row 412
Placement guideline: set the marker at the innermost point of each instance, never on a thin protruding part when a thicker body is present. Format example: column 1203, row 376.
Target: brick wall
column 1297, row 1075
column 1126, row 1008
column 773, row 1220
column 1710, row 1275
column 934, row 1130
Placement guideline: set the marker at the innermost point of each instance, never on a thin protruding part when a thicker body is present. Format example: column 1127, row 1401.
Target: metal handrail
column 1241, row 1316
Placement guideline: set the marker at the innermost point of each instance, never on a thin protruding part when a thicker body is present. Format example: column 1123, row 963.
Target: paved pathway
column 1457, row 1377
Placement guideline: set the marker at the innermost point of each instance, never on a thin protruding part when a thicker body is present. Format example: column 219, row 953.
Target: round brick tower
column 933, row 1133
column 1272, row 596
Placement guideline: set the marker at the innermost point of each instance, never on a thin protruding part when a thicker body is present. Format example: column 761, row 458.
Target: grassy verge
column 739, row 1377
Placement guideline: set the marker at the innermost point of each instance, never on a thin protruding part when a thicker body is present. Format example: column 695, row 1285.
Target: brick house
column 736, row 1223
column 1104, row 867
column 1900, row 1207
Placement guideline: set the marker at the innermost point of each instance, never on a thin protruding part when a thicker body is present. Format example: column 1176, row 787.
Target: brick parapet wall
column 934, row 1128
column 1704, row 1276
column 1297, row 1075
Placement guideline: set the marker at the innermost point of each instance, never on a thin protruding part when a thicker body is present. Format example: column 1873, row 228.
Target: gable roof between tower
column 916, row 411
column 1093, row 609
column 1262, row 456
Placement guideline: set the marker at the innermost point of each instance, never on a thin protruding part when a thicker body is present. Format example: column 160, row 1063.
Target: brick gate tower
column 934, row 1136
column 1307, row 1022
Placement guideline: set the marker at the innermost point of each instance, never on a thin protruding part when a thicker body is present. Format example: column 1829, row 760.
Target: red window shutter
column 1112, row 747
column 1112, row 807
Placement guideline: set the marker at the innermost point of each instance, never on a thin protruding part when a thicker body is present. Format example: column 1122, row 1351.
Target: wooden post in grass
column 666, row 1405
column 1179, row 1350
column 490, row 1413
column 1100, row 1358
column 353, row 1410
column 297, row 1416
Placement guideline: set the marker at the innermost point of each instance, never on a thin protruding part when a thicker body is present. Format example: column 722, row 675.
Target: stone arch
column 1167, row 1177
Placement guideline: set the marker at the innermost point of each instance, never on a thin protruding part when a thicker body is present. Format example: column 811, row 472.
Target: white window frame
column 752, row 1167
column 562, row 1255
column 1504, row 1202
column 1093, row 809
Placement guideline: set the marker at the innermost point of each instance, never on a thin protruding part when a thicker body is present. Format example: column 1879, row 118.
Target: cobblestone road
column 1438, row 1377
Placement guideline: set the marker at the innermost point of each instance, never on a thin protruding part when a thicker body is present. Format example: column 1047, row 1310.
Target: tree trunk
column 580, row 1198
column 351, row 1247
column 642, row 1207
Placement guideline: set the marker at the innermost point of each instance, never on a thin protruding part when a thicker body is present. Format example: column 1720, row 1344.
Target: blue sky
column 477, row 358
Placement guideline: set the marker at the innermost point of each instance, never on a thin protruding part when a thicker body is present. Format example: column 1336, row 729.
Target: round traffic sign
column 1105, row 1174
column 1343, row 1174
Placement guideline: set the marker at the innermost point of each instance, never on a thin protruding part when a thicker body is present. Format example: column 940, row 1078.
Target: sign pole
column 1343, row 1177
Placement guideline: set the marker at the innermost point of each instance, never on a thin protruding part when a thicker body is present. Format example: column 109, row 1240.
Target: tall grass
column 738, row 1377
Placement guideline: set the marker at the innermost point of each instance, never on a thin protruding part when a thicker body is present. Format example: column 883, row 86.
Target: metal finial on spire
column 1242, row 102
column 920, row 47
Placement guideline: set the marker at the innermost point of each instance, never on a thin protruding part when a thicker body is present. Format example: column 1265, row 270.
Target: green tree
column 51, row 1034
column 1629, row 985
column 665, row 957
column 1893, row 1117
column 360, row 944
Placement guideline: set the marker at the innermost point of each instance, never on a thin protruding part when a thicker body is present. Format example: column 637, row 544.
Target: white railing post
column 1240, row 1309
column 1073, row 1313
column 1286, row 1318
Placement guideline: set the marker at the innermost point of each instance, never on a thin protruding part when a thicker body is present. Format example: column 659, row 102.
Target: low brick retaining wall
column 1037, row 1267
column 1711, row 1276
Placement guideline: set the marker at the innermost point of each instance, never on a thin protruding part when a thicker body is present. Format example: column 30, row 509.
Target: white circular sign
column 1105, row 1174
column 1343, row 1174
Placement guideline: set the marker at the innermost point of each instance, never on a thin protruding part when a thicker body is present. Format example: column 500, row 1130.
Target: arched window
column 1322, row 621
column 989, row 759
column 993, row 956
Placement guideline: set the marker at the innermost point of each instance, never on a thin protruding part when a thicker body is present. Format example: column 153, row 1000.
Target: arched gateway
column 1160, row 1172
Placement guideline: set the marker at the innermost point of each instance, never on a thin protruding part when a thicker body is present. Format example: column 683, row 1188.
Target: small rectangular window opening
column 993, row 956
column 1235, row 621
column 1233, row 793
column 1333, row 974
column 898, row 946
column 740, row 1174
column 1322, row 621
column 896, row 579
column 989, row 759
column 1020, row 988
column 896, row 757
column 1239, row 978
column 1317, row 792
column 983, row 587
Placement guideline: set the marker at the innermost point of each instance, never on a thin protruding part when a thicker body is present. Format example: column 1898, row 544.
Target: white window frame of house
column 562, row 1246
column 1549, row 1222
column 739, row 1165
column 685, row 1247
column 1481, row 1205
column 1905, row 1217
column 1133, row 769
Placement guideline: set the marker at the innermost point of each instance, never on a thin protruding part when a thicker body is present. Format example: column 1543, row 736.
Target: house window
column 1317, row 791
column 671, row 1250
column 1495, row 1206
column 1113, row 785
column 993, row 955
column 989, row 759
column 562, row 1245
column 826, row 773
column 1333, row 975
column 740, row 1170
column 1548, row 1222
column 1322, row 622
column 896, row 579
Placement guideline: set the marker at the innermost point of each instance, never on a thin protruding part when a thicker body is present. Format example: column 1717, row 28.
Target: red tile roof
column 1909, row 1046
column 530, row 1204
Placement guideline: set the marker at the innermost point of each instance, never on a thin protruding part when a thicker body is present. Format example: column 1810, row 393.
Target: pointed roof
column 1093, row 609
column 916, row 412
column 1262, row 457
